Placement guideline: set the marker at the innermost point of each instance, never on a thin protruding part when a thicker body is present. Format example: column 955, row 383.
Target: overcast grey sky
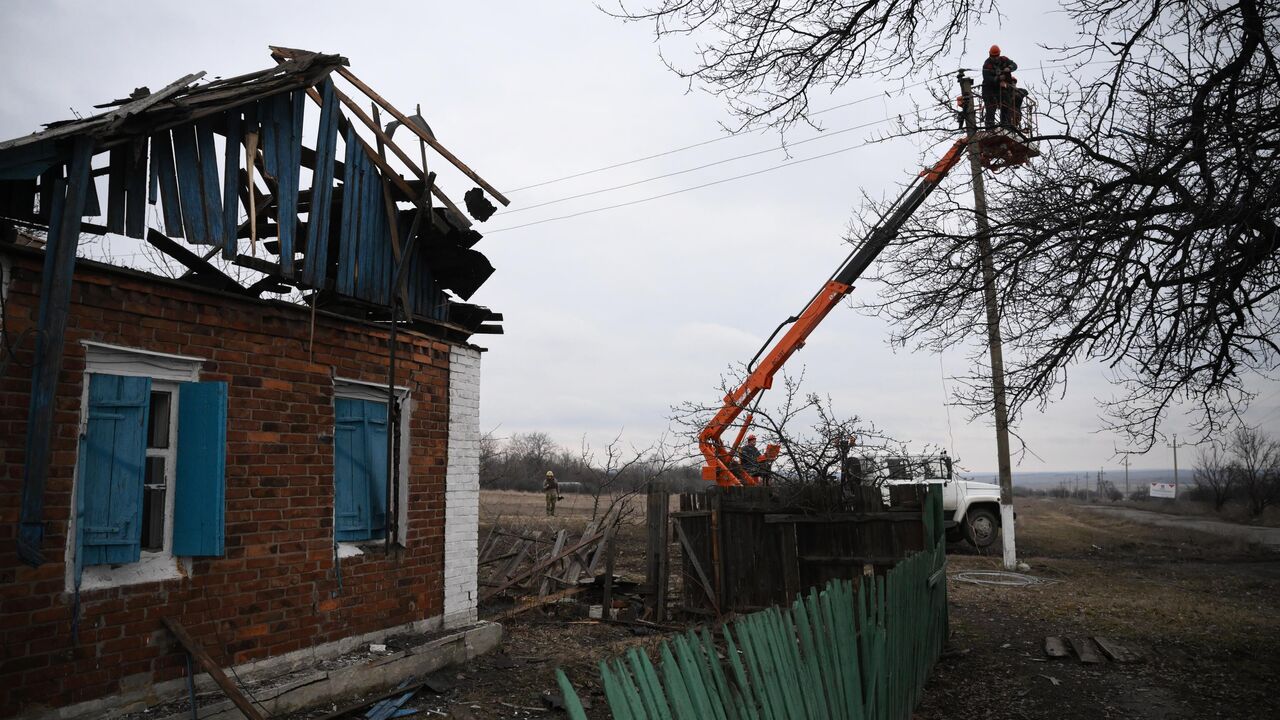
column 615, row 316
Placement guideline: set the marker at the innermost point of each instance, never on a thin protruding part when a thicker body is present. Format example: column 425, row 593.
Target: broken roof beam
column 383, row 138
column 201, row 267
column 426, row 137
column 117, row 117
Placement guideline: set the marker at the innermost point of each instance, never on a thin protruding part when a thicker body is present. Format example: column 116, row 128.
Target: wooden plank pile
column 542, row 566
column 1087, row 649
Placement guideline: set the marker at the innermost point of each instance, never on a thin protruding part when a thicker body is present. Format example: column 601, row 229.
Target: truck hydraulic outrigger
column 722, row 464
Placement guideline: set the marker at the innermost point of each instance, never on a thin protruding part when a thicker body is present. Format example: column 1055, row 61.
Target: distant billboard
column 1164, row 490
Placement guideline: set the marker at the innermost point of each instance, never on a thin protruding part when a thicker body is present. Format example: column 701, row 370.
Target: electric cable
column 868, row 98
column 785, row 146
column 705, row 142
column 791, row 163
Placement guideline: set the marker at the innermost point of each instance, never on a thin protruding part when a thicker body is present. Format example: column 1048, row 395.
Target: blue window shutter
column 375, row 433
column 350, row 472
column 199, row 501
column 113, row 457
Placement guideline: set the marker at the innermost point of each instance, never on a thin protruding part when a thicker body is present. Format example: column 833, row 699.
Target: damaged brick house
column 282, row 476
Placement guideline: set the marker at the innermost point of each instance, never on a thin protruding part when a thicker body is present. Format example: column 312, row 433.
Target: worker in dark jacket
column 1011, row 97
column 962, row 111
column 994, row 72
column 749, row 455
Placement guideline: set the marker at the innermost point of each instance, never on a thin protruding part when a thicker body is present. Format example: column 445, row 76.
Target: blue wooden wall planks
column 209, row 193
column 282, row 148
column 65, row 211
column 116, row 190
column 135, row 221
column 230, row 184
column 346, row 236
column 162, row 161
column 190, row 186
column 315, row 264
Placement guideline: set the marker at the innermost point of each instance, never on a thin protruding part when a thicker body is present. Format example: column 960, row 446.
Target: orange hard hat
column 995, row 49
column 751, row 437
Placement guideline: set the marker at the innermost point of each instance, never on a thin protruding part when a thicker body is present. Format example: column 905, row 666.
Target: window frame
column 167, row 372
column 351, row 389
column 170, row 455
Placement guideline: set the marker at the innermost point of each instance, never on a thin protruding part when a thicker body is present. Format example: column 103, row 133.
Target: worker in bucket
column 552, row 489
column 749, row 455
column 995, row 71
column 1011, row 98
column 962, row 111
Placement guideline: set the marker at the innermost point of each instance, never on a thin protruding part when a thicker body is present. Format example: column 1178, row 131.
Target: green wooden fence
column 859, row 653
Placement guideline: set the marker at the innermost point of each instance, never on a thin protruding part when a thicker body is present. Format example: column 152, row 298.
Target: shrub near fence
column 859, row 653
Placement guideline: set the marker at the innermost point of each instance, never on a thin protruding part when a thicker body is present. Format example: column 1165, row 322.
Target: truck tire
column 981, row 528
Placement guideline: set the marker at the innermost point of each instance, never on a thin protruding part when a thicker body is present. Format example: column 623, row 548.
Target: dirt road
column 1267, row 537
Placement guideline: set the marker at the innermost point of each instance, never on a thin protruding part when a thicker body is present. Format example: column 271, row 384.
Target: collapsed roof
column 229, row 167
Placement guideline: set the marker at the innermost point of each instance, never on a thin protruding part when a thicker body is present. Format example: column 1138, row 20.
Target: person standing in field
column 552, row 489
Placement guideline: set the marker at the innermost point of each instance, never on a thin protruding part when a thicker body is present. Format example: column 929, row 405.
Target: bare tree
column 492, row 465
column 766, row 58
column 624, row 472
column 1145, row 238
column 814, row 438
column 1214, row 475
column 1257, row 468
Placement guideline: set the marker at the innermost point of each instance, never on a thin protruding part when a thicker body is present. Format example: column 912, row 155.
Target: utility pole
column 1176, row 487
column 993, row 328
column 1126, row 476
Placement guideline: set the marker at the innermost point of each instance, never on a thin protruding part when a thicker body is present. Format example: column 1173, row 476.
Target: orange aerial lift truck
column 998, row 148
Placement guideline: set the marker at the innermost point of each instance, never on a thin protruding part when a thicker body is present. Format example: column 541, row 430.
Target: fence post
column 656, row 559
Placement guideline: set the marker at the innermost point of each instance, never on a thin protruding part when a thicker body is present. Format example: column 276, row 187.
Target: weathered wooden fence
column 857, row 649
column 744, row 549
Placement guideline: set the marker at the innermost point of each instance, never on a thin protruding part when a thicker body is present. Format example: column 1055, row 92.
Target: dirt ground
column 1203, row 611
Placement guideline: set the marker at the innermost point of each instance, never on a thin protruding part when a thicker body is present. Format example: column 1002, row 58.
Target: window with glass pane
column 159, row 462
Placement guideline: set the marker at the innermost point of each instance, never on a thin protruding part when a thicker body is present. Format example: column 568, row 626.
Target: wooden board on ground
column 1115, row 651
column 537, row 602
column 1054, row 647
column 212, row 668
column 1085, row 650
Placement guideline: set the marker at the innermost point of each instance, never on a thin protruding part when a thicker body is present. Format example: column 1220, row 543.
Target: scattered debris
column 215, row 671
column 1115, row 651
column 1056, row 682
column 438, row 683
column 1085, row 650
column 1054, row 647
column 1002, row 579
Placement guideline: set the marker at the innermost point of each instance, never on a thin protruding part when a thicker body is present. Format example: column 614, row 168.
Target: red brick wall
column 274, row 590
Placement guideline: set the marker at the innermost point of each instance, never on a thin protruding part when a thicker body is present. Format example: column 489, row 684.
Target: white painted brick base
column 462, row 488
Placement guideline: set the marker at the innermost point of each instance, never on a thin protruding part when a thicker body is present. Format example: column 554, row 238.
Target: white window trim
column 362, row 390
column 166, row 371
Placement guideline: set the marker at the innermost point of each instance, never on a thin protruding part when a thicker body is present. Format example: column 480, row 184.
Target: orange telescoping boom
column 722, row 464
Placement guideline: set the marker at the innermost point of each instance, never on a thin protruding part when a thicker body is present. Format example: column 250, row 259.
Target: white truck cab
column 971, row 509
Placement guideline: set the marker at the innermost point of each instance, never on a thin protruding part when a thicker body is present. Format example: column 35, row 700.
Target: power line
column 712, row 140
column 684, row 190
column 833, row 108
column 784, row 146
